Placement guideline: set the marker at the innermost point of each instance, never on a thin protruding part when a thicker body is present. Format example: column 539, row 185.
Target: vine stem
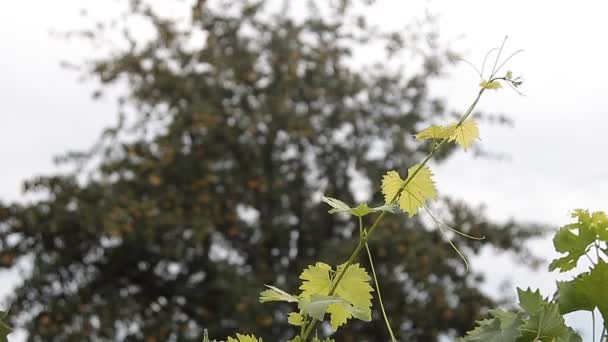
column 371, row 264
column 365, row 237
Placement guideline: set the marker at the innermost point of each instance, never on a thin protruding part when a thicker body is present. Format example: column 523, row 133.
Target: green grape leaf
column 531, row 302
column 596, row 222
column 510, row 322
column 316, row 280
column 546, row 325
column 573, row 239
column 572, row 336
column 545, row 322
column 4, row 328
column 465, row 134
column 360, row 211
column 295, row 318
column 504, row 327
column 434, row 132
column 595, row 287
column 486, row 330
column 495, row 85
column 274, row 294
column 572, row 296
column 244, row 338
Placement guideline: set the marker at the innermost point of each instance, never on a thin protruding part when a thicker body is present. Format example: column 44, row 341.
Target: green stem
column 363, row 240
column 388, row 324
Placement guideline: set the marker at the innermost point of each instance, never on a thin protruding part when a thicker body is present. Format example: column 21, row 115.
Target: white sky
column 557, row 148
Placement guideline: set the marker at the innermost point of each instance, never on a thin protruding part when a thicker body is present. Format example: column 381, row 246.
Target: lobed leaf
column 464, row 134
column 295, row 318
column 420, row 188
column 352, row 297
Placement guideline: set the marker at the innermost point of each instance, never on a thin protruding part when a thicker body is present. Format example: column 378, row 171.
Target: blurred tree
column 242, row 116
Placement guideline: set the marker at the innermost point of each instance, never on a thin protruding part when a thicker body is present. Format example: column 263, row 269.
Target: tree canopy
column 237, row 117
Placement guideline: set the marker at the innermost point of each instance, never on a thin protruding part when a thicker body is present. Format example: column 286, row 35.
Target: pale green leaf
column 464, row 134
column 316, row 280
column 391, row 184
column 360, row 211
column 339, row 315
column 274, row 294
column 495, row 85
column 419, row 189
column 337, row 205
column 434, row 132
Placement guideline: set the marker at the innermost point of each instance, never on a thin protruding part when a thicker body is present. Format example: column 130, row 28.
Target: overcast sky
column 557, row 158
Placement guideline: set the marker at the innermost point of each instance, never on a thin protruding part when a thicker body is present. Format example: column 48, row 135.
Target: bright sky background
column 557, row 148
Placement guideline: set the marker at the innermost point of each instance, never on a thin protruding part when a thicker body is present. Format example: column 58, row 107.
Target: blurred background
column 162, row 160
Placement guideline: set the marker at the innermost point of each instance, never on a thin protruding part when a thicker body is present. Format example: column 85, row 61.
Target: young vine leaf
column 244, row 338
column 463, row 134
column 419, row 188
column 573, row 239
column 433, row 132
column 274, row 294
column 360, row 211
column 316, row 280
column 352, row 297
column 295, row 318
column 494, row 85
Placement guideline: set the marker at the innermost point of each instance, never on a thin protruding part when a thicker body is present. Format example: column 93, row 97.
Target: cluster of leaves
column 350, row 299
column 345, row 292
column 539, row 320
column 542, row 320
